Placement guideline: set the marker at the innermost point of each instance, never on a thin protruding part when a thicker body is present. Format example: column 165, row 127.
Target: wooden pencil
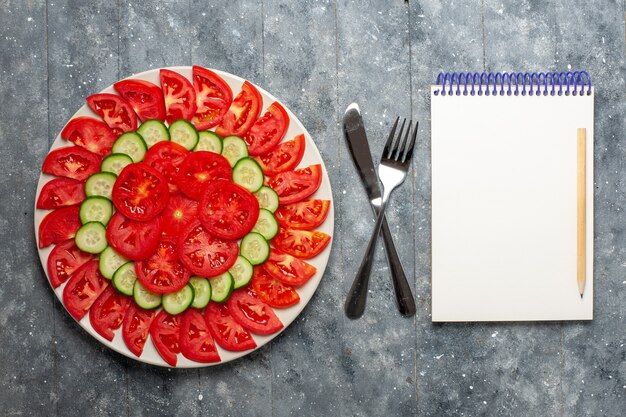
column 582, row 188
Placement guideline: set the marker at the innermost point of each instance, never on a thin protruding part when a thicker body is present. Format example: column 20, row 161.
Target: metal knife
column 354, row 132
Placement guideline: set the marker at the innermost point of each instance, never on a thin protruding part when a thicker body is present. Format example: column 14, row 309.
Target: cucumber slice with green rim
column 255, row 248
column 110, row 261
column 145, row 298
column 115, row 163
column 267, row 198
column 241, row 271
column 184, row 133
column 234, row 148
column 177, row 302
column 221, row 287
column 131, row 144
column 209, row 141
column 266, row 225
column 153, row 131
column 201, row 292
column 248, row 174
column 100, row 184
column 96, row 209
column 124, row 278
column 91, row 237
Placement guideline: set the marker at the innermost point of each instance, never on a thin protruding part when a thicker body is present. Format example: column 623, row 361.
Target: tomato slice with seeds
column 165, row 335
column 305, row 215
column 91, row 134
column 252, row 313
column 288, row 269
column 133, row 239
column 284, row 157
column 272, row 291
column 180, row 211
column 162, row 272
column 166, row 157
column 145, row 97
column 83, row 288
column 64, row 259
column 116, row 112
column 268, row 130
column 294, row 186
column 200, row 168
column 71, row 162
column 135, row 327
column 213, row 98
column 243, row 112
column 59, row 225
column 196, row 342
column 140, row 192
column 302, row 244
column 179, row 95
column 61, row 192
column 227, row 332
column 204, row 254
column 107, row 313
column 228, row 210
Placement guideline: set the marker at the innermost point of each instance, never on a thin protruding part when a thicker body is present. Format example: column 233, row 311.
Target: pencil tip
column 581, row 296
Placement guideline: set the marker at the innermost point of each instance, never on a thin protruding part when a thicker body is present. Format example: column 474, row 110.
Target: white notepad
column 504, row 201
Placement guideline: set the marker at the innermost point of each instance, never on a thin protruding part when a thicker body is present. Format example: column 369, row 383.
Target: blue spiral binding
column 517, row 83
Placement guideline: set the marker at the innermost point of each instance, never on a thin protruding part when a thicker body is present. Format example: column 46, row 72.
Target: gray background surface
column 317, row 57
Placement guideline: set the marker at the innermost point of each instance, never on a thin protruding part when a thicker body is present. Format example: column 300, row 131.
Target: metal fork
column 393, row 168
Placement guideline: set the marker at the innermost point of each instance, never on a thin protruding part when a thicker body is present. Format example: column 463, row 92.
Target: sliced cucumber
column 234, row 148
column 153, row 131
column 201, row 292
column 91, row 237
column 267, row 198
column 131, row 144
column 255, row 248
column 266, row 225
column 96, row 209
column 184, row 133
column 145, row 298
column 209, row 141
column 124, row 278
column 248, row 174
column 115, row 163
column 177, row 302
column 221, row 287
column 110, row 261
column 241, row 271
column 100, row 184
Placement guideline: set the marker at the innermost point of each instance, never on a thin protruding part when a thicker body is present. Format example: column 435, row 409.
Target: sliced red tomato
column 91, row 134
column 107, row 313
column 145, row 98
column 180, row 211
column 252, row 313
column 166, row 157
column 306, row 215
column 196, row 342
column 165, row 334
column 268, row 130
column 116, row 112
column 64, row 259
column 163, row 272
column 61, row 192
column 179, row 95
column 285, row 157
column 204, row 254
column 140, row 192
column 302, row 244
column 71, row 162
column 288, row 269
column 200, row 168
column 227, row 332
column 59, row 225
column 294, row 186
column 213, row 98
column 243, row 112
column 228, row 210
column 83, row 289
column 272, row 291
column 135, row 327
column 133, row 239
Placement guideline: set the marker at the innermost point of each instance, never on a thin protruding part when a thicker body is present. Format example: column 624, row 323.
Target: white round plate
column 287, row 315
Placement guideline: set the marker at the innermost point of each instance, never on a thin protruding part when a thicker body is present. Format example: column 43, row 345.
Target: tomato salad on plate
column 184, row 217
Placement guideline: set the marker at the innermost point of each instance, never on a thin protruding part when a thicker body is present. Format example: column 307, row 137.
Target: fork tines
column 396, row 148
